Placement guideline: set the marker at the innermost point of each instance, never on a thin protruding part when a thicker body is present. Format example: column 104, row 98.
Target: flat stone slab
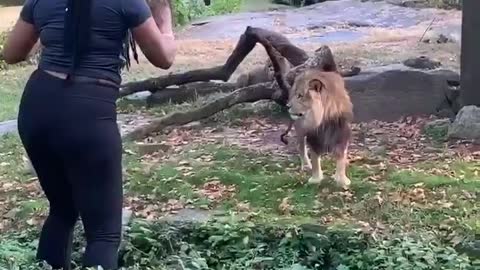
column 330, row 21
column 125, row 122
column 388, row 93
column 8, row 127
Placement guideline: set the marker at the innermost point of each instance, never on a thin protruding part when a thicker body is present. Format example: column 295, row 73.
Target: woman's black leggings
column 70, row 134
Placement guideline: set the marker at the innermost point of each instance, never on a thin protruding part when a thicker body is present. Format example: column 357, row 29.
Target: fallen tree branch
column 323, row 59
column 188, row 92
column 248, row 94
column 245, row 45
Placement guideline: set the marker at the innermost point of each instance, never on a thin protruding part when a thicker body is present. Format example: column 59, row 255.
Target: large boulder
column 466, row 125
column 388, row 93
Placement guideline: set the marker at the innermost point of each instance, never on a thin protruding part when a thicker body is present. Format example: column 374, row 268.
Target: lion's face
column 316, row 96
column 305, row 102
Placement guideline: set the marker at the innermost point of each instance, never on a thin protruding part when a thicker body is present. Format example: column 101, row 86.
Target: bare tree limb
column 248, row 94
column 188, row 92
column 323, row 59
column 245, row 45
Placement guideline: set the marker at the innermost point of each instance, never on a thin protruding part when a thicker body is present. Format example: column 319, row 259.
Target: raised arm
column 22, row 38
column 155, row 36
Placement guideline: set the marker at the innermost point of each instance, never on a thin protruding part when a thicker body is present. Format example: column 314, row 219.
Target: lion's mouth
column 296, row 116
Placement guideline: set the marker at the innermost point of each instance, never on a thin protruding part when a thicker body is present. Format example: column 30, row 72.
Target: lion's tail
column 282, row 137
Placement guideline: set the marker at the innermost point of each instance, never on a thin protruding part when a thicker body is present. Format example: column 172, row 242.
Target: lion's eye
column 300, row 96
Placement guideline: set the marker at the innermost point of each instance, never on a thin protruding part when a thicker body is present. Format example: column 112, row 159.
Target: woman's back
column 109, row 23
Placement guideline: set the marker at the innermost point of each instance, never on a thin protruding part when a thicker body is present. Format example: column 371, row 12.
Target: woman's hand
column 155, row 36
column 162, row 13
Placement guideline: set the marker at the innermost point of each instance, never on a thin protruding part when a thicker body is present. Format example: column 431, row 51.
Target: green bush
column 244, row 245
column 457, row 4
column 239, row 246
column 188, row 10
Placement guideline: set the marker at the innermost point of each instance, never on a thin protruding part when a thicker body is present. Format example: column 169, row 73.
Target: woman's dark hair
column 77, row 29
column 77, row 33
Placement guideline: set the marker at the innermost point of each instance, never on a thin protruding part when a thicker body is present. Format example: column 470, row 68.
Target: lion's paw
column 316, row 179
column 342, row 180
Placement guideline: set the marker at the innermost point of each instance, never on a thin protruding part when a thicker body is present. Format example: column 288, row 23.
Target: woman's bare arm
column 155, row 36
column 20, row 42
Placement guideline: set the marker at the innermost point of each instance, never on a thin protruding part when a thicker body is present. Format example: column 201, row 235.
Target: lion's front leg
column 304, row 159
column 317, row 173
column 341, row 168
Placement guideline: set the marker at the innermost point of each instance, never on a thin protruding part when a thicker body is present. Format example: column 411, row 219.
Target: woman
column 67, row 115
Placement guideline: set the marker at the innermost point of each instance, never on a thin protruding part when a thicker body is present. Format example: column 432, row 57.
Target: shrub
column 188, row 10
column 457, row 4
column 244, row 245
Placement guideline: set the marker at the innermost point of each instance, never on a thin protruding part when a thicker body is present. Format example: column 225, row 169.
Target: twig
column 426, row 30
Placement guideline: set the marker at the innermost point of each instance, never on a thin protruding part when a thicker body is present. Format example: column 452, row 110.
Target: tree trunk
column 470, row 55
column 188, row 92
column 244, row 95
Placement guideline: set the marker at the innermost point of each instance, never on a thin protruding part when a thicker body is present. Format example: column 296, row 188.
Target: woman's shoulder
column 135, row 11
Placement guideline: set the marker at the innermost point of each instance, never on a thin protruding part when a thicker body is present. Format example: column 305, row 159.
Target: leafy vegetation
column 239, row 245
column 457, row 4
column 188, row 10
column 407, row 219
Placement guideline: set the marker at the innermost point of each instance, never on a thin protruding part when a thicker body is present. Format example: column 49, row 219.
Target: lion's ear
column 315, row 85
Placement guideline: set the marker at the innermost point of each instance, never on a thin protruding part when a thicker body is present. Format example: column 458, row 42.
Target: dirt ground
column 8, row 16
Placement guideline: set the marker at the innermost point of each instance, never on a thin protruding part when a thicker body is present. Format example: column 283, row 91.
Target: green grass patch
column 261, row 180
column 264, row 182
column 186, row 10
column 11, row 88
column 464, row 176
column 418, row 234
column 11, row 162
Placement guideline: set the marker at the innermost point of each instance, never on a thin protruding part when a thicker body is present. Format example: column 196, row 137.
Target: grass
column 263, row 182
column 412, row 197
column 255, row 185
column 11, row 88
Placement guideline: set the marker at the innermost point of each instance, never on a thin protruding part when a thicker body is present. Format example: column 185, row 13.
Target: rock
column 193, row 125
column 8, row 127
column 379, row 150
column 375, row 14
column 28, row 167
column 451, row 103
column 388, row 93
column 437, row 129
column 472, row 248
column 150, row 148
column 186, row 215
column 126, row 217
column 466, row 125
column 139, row 96
column 189, row 215
column 422, row 62
column 408, row 3
column 438, row 124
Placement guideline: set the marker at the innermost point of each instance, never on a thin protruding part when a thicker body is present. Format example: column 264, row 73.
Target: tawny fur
column 331, row 102
column 322, row 112
column 261, row 74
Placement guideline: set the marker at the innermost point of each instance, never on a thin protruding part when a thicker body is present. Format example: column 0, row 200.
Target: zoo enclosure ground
column 403, row 179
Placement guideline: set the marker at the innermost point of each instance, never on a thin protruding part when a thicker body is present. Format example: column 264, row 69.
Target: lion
column 321, row 112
